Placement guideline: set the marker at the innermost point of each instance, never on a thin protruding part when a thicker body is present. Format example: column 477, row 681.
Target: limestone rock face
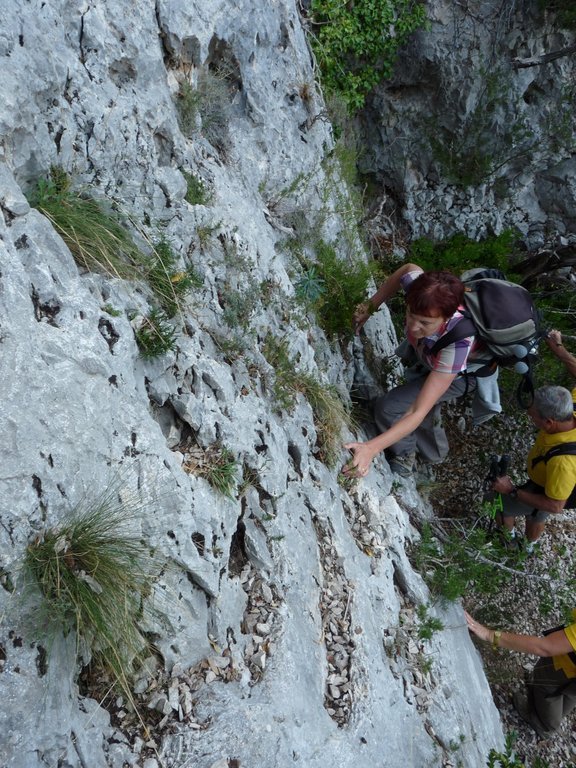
column 284, row 612
column 472, row 134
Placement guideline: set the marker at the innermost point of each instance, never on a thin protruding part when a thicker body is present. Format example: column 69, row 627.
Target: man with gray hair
column 551, row 467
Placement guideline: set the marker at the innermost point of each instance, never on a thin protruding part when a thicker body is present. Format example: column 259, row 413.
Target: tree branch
column 544, row 58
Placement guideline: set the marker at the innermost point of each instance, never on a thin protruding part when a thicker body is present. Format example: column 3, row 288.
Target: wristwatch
column 514, row 492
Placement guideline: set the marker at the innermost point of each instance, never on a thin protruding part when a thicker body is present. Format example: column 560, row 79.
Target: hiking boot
column 403, row 465
column 522, row 706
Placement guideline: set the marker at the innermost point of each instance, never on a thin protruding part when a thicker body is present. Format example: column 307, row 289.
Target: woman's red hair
column 435, row 293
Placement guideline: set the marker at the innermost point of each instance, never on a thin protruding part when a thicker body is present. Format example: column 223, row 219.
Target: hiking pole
column 493, row 503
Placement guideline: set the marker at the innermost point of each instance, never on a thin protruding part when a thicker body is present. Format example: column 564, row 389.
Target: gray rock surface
column 305, row 650
column 459, row 102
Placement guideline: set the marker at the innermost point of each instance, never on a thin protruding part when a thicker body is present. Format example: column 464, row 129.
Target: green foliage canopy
column 356, row 43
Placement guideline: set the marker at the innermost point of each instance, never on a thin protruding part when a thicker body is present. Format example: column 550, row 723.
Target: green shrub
column 509, row 758
column 464, row 561
column 356, row 43
column 169, row 285
column 196, row 191
column 459, row 253
column 155, row 336
column 427, row 625
column 333, row 287
column 97, row 237
column 92, row 574
column 330, row 414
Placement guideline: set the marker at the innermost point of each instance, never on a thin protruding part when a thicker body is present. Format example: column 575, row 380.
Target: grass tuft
column 216, row 464
column 92, row 576
column 97, row 237
column 330, row 414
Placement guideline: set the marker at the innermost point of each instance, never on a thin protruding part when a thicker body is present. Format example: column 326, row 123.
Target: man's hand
column 359, row 464
column 503, row 484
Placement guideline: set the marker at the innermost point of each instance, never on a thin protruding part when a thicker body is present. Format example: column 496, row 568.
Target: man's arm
column 537, row 500
column 554, row 341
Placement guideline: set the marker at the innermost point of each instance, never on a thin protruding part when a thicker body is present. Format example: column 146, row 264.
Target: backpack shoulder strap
column 463, row 328
column 562, row 449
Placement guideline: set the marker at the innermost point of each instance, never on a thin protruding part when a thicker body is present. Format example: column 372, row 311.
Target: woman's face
column 420, row 326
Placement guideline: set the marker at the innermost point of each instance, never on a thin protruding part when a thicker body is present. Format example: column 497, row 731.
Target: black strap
column 462, row 329
column 562, row 449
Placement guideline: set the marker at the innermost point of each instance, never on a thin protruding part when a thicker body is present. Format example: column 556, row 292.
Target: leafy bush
column 97, row 237
column 459, row 253
column 330, row 414
column 427, row 625
column 155, row 336
column 507, row 759
column 463, row 560
column 91, row 575
column 356, row 43
column 333, row 287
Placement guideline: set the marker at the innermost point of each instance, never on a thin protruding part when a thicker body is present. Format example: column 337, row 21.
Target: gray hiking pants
column 429, row 439
column 552, row 694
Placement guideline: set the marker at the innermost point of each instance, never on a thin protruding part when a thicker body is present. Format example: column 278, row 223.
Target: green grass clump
column 206, row 108
column 97, row 237
column 155, row 336
column 330, row 414
column 356, row 44
column 91, row 574
column 216, row 464
column 332, row 287
column 168, row 284
column 196, row 191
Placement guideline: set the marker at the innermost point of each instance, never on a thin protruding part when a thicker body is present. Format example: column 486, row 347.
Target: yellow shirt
column 564, row 662
column 558, row 475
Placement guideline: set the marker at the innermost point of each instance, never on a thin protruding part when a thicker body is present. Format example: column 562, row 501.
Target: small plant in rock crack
column 91, row 574
column 216, row 464
column 110, row 310
column 206, row 109
column 428, row 624
column 169, row 284
column 155, row 336
column 310, row 287
column 197, row 193
column 331, row 416
column 96, row 235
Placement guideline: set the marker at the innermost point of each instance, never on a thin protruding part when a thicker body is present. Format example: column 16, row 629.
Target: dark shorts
column 515, row 508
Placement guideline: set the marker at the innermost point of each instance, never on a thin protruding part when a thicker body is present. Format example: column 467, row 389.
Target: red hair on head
column 435, row 293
